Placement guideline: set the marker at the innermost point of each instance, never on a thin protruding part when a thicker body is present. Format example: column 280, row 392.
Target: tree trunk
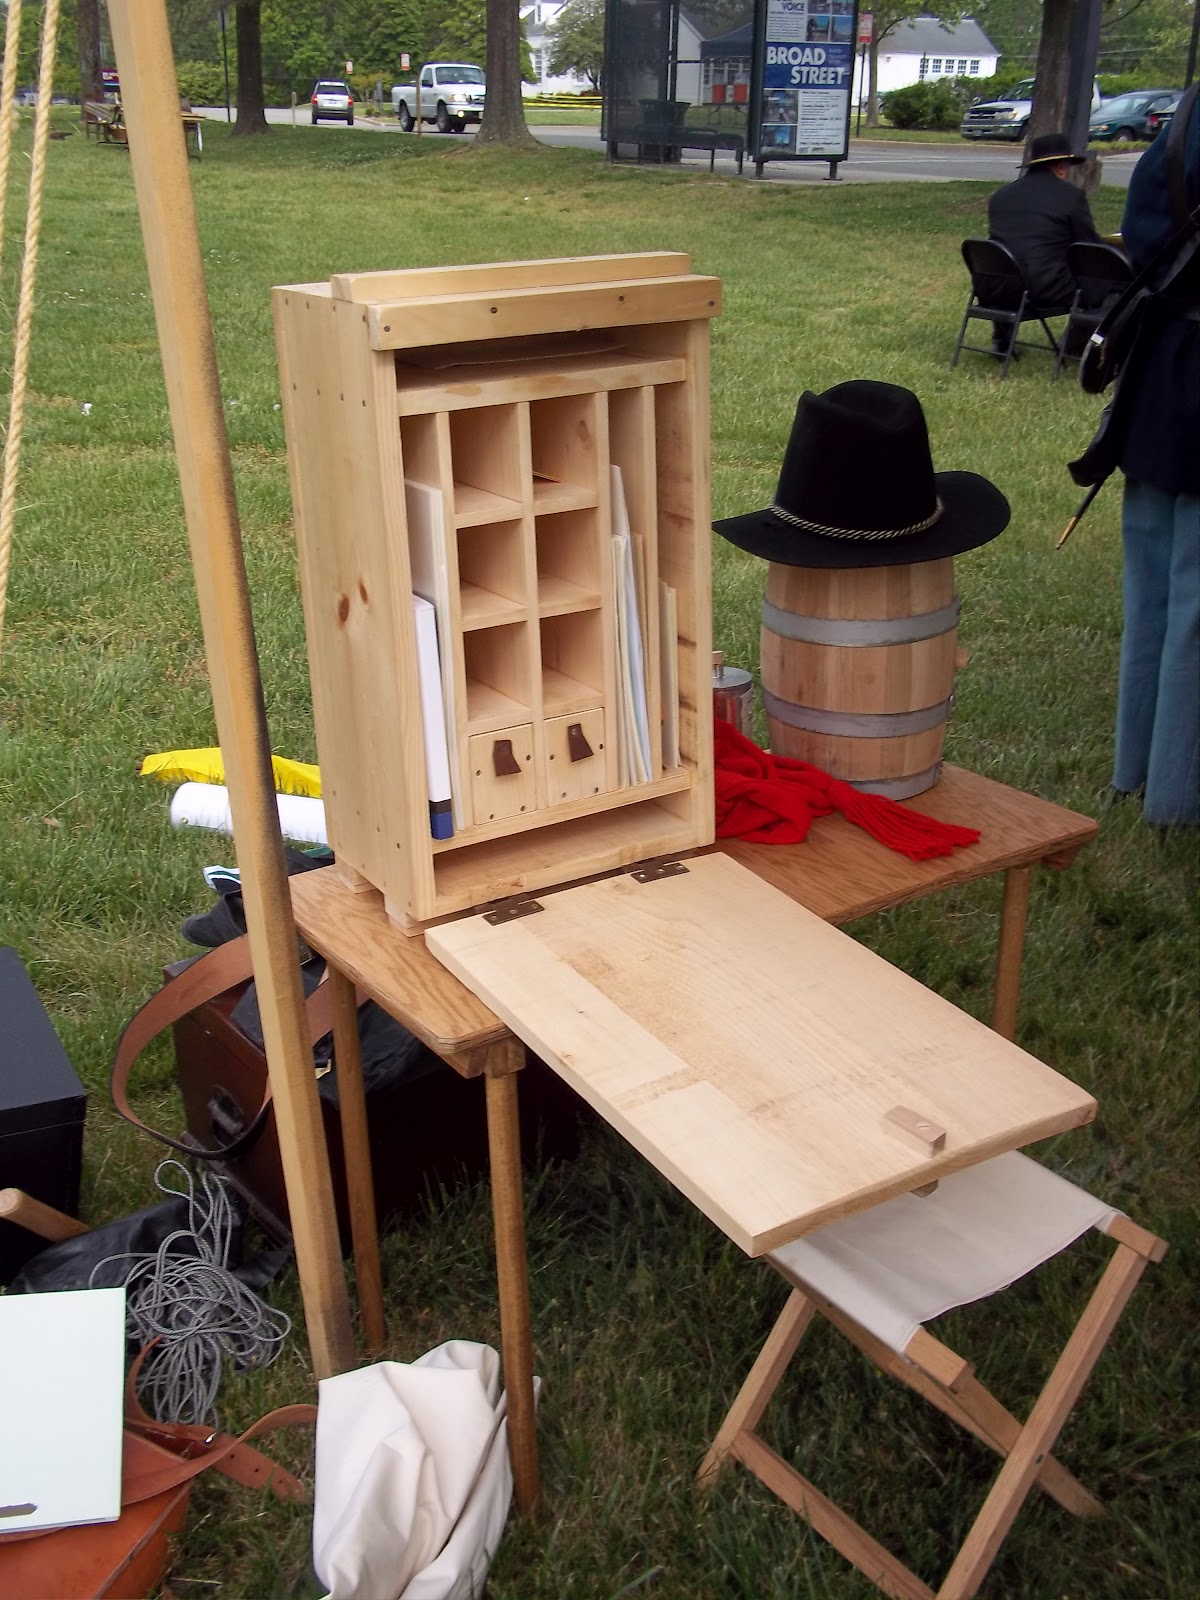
column 1049, row 114
column 873, row 81
column 504, row 112
column 251, row 115
column 87, row 37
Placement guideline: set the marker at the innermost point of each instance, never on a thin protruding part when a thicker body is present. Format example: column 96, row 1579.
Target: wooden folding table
column 839, row 872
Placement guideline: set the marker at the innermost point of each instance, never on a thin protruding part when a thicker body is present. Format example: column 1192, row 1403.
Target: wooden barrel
column 858, row 670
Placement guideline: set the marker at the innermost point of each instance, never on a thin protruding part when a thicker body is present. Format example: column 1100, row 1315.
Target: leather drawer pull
column 577, row 746
column 503, row 760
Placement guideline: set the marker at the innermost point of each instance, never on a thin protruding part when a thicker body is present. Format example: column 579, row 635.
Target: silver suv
column 333, row 101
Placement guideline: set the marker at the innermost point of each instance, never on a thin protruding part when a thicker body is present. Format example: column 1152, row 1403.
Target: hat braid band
column 857, row 533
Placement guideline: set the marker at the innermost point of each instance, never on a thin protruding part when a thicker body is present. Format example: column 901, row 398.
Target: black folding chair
column 999, row 295
column 1101, row 272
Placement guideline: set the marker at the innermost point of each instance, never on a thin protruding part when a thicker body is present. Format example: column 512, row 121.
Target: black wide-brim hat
column 857, row 488
column 1051, row 147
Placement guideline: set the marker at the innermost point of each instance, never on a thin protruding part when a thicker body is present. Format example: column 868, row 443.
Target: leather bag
column 127, row 1559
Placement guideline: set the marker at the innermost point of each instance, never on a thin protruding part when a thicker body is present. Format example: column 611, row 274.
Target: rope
column 33, row 224
column 195, row 1309
column 8, row 88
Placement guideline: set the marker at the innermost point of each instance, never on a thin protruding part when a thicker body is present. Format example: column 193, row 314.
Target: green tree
column 195, row 29
column 465, row 28
column 1053, row 68
column 578, row 40
column 504, row 113
column 1013, row 27
column 1149, row 39
column 251, row 113
column 87, row 43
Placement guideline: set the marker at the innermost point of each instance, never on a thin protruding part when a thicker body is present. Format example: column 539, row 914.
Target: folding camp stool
column 877, row 1277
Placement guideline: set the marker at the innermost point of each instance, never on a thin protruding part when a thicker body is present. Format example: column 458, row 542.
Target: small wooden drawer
column 503, row 778
column 575, row 760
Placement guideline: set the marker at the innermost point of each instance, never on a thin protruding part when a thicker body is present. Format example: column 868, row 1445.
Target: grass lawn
column 644, row 1318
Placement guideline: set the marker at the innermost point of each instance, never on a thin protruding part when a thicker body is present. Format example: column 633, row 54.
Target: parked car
column 1007, row 118
column 1125, row 116
column 333, row 101
column 1158, row 118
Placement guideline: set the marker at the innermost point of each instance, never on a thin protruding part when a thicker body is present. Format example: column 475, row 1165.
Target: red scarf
column 768, row 799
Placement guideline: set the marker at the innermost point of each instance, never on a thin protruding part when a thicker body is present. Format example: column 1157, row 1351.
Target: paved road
column 870, row 161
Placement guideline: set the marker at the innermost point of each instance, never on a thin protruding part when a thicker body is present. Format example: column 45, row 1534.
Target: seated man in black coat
column 1037, row 217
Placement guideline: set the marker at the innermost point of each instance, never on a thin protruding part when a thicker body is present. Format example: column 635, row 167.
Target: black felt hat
column 1051, row 147
column 857, row 488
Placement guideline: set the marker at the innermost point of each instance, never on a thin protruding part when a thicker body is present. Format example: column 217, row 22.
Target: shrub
column 202, row 83
column 936, row 105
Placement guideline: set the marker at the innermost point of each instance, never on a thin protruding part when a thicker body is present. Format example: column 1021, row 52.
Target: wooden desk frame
column 366, row 952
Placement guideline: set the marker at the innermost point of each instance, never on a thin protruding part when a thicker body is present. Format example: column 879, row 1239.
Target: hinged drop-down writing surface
column 751, row 1051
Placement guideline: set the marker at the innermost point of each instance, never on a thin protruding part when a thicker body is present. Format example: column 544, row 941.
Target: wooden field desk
column 840, row 873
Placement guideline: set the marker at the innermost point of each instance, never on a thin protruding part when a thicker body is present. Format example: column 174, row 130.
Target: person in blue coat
column 1158, row 699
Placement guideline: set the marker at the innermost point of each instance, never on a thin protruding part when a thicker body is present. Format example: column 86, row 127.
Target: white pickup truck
column 450, row 94
column 1008, row 118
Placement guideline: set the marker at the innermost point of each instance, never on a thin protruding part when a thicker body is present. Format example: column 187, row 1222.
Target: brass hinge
column 652, row 871
column 510, row 910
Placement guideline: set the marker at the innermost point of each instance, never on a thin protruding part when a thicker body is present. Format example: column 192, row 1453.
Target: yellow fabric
column 206, row 766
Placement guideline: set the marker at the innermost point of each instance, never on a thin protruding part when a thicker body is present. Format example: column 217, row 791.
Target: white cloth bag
column 413, row 1480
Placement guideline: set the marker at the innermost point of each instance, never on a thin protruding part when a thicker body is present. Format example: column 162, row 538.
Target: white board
column 62, row 1382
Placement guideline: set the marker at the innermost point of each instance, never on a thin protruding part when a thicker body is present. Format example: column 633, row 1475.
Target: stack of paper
column 633, row 722
column 433, row 580
column 433, row 716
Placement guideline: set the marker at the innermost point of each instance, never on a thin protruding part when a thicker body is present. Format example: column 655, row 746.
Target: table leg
column 356, row 1150
column 1011, row 950
column 512, row 1267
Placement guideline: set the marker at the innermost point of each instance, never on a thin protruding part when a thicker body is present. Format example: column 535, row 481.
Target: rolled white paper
column 206, row 805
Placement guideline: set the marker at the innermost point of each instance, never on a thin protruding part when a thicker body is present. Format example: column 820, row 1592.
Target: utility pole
column 1085, row 47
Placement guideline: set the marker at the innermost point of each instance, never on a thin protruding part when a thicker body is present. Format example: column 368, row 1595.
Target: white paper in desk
column 62, row 1383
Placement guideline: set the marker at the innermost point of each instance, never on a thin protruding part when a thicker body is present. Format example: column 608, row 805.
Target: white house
column 539, row 18
column 924, row 48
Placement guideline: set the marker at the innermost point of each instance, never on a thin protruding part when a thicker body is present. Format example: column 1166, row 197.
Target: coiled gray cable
column 194, row 1307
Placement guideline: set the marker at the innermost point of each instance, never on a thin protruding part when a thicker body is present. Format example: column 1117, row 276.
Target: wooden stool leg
column 761, row 1382
column 356, row 1150
column 1011, row 950
column 1049, row 1413
column 512, row 1267
column 970, row 1405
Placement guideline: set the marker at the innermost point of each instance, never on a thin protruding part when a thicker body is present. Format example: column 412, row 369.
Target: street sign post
column 866, row 31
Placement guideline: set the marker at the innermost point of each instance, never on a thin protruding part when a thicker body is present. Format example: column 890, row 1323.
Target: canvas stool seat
column 878, row 1277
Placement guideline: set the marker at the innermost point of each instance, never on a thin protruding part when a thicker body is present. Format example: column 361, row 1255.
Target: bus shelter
column 765, row 78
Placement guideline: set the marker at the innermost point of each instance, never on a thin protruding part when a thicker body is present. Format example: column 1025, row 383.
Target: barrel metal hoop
column 860, row 631
column 857, row 725
column 899, row 788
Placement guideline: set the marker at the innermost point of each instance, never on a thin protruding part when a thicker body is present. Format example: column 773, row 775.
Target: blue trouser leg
column 1158, row 710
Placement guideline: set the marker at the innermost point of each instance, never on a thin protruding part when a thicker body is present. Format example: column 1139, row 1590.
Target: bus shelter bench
column 678, row 137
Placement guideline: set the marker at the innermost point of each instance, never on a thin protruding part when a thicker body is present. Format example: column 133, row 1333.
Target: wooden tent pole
column 156, row 145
